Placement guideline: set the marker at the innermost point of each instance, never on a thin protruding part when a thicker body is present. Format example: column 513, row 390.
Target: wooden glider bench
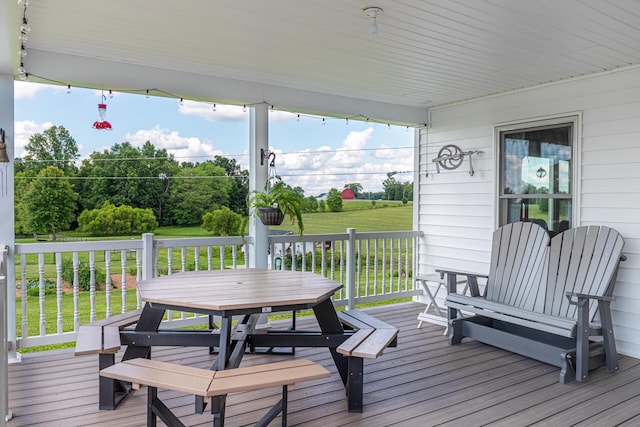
column 370, row 339
column 207, row 383
column 548, row 299
column 102, row 337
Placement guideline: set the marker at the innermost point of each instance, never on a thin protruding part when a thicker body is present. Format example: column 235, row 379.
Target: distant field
column 359, row 214
column 385, row 216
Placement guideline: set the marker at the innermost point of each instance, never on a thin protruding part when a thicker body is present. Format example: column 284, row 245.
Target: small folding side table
column 434, row 288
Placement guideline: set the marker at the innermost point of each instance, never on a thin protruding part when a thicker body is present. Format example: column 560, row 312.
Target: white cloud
column 25, row 129
column 22, row 90
column 320, row 169
column 232, row 113
column 205, row 110
column 183, row 148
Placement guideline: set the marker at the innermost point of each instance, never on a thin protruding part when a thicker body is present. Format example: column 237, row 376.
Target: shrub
column 84, row 274
column 33, row 287
column 111, row 220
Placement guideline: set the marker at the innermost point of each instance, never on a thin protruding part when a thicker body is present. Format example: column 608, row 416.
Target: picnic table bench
column 102, row 337
column 371, row 337
column 207, row 383
column 548, row 299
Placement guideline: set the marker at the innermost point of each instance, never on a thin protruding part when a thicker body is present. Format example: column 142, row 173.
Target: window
column 536, row 174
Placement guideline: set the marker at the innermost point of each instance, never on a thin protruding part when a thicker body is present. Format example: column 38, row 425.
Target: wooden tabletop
column 233, row 290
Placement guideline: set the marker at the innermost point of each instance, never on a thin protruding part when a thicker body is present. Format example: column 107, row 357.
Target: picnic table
column 245, row 294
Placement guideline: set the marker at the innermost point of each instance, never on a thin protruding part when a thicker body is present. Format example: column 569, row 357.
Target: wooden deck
column 422, row 382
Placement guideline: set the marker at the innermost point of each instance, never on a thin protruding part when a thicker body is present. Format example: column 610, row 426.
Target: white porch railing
column 5, row 414
column 372, row 267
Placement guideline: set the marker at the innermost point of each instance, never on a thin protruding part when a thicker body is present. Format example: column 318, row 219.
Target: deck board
column 423, row 381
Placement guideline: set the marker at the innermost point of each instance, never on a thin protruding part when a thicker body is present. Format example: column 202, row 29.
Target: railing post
column 351, row 268
column 147, row 256
column 5, row 414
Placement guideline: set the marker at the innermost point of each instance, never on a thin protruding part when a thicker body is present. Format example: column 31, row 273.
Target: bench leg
column 354, row 384
column 610, row 352
column 112, row 392
column 280, row 407
column 582, row 344
column 155, row 408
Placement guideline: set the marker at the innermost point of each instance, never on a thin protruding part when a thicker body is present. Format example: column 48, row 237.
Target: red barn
column 347, row 194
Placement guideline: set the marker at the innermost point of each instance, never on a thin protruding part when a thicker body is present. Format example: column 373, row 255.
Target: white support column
column 7, row 236
column 258, row 139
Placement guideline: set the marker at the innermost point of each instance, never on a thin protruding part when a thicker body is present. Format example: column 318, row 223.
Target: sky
column 315, row 153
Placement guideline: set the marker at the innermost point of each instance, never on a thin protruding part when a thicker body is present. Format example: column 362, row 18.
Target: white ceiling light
column 372, row 13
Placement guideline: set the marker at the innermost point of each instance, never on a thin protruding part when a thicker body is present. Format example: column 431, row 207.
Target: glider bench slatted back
column 544, row 299
column 206, row 383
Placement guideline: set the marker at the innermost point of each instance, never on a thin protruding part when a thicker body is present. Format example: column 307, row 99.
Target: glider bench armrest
column 206, row 383
column 372, row 335
column 472, row 279
column 576, row 297
column 103, row 336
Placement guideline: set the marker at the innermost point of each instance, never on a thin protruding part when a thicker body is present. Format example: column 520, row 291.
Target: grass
column 385, row 216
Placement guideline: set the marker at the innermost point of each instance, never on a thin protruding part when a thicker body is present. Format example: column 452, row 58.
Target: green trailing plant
column 279, row 196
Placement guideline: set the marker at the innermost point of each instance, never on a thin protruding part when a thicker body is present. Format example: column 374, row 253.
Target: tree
column 334, row 200
column 53, row 147
column 239, row 188
column 50, row 202
column 195, row 191
column 356, row 187
column 126, row 175
column 223, row 222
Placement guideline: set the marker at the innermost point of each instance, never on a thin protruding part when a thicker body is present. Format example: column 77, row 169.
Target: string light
column 24, row 29
column 23, row 75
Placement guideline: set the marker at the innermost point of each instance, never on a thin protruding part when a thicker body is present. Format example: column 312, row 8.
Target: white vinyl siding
column 457, row 212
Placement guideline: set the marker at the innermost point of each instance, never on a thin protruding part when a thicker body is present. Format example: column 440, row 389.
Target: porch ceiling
column 317, row 56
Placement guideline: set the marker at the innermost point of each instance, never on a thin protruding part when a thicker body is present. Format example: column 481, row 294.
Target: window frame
column 574, row 120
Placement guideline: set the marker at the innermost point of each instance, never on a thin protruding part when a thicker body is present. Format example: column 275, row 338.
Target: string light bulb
column 23, row 52
column 68, row 88
column 298, row 118
column 181, row 102
column 23, row 37
column 324, row 122
column 215, row 108
column 25, row 27
column 22, row 72
column 244, row 108
column 110, row 94
column 147, row 95
column 23, row 3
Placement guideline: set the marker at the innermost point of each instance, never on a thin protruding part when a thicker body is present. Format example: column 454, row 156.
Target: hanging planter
column 288, row 203
column 271, row 216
